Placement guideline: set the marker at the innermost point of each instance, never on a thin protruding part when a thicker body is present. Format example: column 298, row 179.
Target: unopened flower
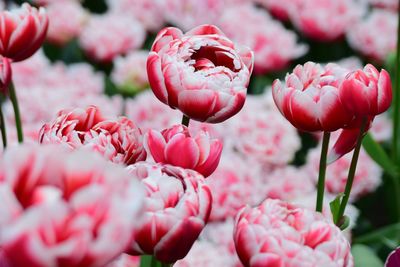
column 177, row 207
column 23, row 31
column 201, row 73
column 277, row 233
column 176, row 146
column 62, row 208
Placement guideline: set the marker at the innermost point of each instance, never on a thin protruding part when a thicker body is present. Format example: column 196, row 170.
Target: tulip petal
column 164, row 37
column 197, row 104
column 344, row 144
column 209, row 166
column 156, row 77
column 384, row 92
column 156, row 144
column 205, row 30
column 393, row 259
column 182, row 151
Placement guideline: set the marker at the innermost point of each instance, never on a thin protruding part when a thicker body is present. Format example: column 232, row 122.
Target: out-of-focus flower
column 177, row 146
column 233, row 185
column 67, row 21
column 362, row 35
column 277, row 233
column 110, row 35
column 125, row 261
column 23, row 31
column 309, row 97
column 280, row 9
column 62, row 208
column 177, row 208
column 389, row 4
column 367, row 92
column 287, row 183
column 274, row 46
column 149, row 13
column 262, row 135
column 149, row 113
column 201, row 73
column 119, row 141
column 129, row 72
column 5, row 74
column 393, row 259
column 367, row 177
column 381, row 129
column 326, row 20
column 207, row 254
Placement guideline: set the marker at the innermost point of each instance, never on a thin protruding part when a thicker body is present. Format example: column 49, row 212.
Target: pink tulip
column 202, row 73
column 177, row 147
column 62, row 208
column 367, row 92
column 309, row 98
column 5, row 74
column 277, row 233
column 23, row 31
column 177, row 208
column 118, row 140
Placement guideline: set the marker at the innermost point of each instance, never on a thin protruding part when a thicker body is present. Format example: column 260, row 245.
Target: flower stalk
column 396, row 100
column 185, row 120
column 3, row 126
column 352, row 171
column 322, row 172
column 14, row 101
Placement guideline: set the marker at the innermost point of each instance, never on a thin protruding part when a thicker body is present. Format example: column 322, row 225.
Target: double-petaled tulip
column 118, row 140
column 177, row 147
column 5, row 74
column 177, row 207
column 62, row 208
column 366, row 92
column 23, row 31
column 202, row 73
column 309, row 98
column 280, row 234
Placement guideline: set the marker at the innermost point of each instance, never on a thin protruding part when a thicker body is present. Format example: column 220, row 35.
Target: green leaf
column 391, row 232
column 345, row 222
column 376, row 152
column 365, row 257
column 335, row 206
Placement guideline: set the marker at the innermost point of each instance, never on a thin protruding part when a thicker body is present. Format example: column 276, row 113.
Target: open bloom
column 63, row 208
column 202, row 73
column 23, row 31
column 177, row 207
column 177, row 147
column 367, row 92
column 309, row 97
column 277, row 233
column 118, row 140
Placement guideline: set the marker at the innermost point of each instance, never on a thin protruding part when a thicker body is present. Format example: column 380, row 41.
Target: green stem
column 396, row 100
column 185, row 120
column 14, row 101
column 352, row 172
column 322, row 171
column 3, row 126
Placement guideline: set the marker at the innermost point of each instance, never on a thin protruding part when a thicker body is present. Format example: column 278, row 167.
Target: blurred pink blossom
column 67, row 21
column 362, row 36
column 326, row 20
column 62, row 208
column 279, row 9
column 273, row 45
column 129, row 72
column 110, row 35
column 367, row 177
column 381, row 129
column 149, row 13
column 277, row 233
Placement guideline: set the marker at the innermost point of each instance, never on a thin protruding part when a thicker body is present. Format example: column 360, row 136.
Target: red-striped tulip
column 177, row 147
column 309, row 98
column 202, row 73
column 23, row 31
column 177, row 207
column 366, row 92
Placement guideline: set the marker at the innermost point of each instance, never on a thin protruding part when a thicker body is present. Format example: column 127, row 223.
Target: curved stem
column 322, row 172
column 352, row 171
column 396, row 100
column 14, row 101
column 3, row 126
column 185, row 120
